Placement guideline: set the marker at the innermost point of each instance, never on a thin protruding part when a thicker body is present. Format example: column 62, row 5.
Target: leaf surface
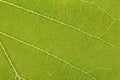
column 59, row 40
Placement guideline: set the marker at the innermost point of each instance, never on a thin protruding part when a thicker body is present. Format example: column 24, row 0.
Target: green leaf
column 59, row 40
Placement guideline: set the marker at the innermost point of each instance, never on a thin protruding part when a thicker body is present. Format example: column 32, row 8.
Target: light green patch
column 59, row 40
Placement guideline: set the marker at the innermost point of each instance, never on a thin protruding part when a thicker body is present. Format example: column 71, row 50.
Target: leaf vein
column 54, row 56
column 60, row 22
column 10, row 61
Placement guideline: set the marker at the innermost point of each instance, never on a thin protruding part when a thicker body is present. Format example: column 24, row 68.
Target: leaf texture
column 59, row 40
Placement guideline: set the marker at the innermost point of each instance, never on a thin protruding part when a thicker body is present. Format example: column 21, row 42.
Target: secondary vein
column 10, row 61
column 60, row 22
column 48, row 53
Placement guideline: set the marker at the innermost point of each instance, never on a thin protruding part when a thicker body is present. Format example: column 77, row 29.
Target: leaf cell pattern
column 59, row 40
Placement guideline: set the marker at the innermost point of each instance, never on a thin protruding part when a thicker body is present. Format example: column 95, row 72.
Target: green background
column 60, row 39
